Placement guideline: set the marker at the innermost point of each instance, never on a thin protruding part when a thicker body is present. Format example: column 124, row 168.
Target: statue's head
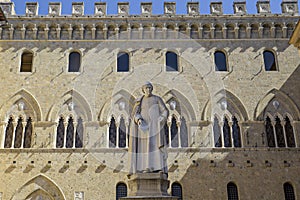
column 147, row 88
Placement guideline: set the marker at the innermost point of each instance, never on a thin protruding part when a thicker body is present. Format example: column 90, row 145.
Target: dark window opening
column 220, row 61
column 123, row 62
column 121, row 191
column 183, row 133
column 9, row 131
column 269, row 60
column 60, row 133
column 289, row 133
column 177, row 190
column 28, row 134
column 289, row 192
column 174, row 133
column 70, row 133
column 112, row 133
column 227, row 133
column 232, row 192
column 236, row 133
column 279, row 133
column 74, row 62
column 26, row 62
column 171, row 61
column 18, row 133
column 270, row 133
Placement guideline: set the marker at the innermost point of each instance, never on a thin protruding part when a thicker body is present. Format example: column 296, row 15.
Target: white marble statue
column 147, row 142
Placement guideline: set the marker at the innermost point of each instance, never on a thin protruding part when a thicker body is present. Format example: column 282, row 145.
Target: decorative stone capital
column 32, row 9
column 123, row 8
column 146, row 8
column 239, row 7
column 78, row 8
column 54, row 9
column 100, row 9
column 289, row 7
column 169, row 8
column 216, row 8
column 193, row 8
column 8, row 8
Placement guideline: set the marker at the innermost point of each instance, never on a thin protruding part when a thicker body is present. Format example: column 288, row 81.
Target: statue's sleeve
column 164, row 112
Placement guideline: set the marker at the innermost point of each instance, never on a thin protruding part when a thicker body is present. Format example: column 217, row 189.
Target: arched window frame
column 232, row 196
column 172, row 190
column 226, row 60
column 23, row 64
column 275, row 60
column 289, row 195
column 80, row 61
column 178, row 61
column 128, row 62
column 118, row 195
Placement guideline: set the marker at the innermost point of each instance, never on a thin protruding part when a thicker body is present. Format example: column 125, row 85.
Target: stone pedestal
column 148, row 186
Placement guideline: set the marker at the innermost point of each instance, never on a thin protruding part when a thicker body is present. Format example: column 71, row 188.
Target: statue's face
column 147, row 90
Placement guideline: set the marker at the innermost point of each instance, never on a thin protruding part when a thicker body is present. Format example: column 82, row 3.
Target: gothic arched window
column 217, row 133
column 176, row 190
column 174, row 133
column 289, row 133
column 123, row 62
column 26, row 62
column 112, row 133
column 269, row 60
column 60, row 133
column 279, row 133
column 171, row 61
column 28, row 134
column 121, row 190
column 227, row 133
column 18, row 133
column 289, row 191
column 79, row 134
column 9, row 131
column 236, row 133
column 70, row 133
column 122, row 133
column 232, row 191
column 183, row 133
column 270, row 132
column 74, row 62
column 220, row 61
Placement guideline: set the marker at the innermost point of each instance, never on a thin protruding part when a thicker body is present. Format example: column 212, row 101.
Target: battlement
column 288, row 7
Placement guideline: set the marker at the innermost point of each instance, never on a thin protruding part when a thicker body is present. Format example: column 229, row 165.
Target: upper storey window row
column 167, row 30
column 269, row 59
column 171, row 61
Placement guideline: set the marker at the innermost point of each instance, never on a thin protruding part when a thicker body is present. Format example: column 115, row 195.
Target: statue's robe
column 147, row 142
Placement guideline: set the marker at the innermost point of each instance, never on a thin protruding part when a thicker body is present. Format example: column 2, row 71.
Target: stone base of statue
column 148, row 186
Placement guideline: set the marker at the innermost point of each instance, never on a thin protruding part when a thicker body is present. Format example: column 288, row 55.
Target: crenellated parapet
column 101, row 26
column 288, row 7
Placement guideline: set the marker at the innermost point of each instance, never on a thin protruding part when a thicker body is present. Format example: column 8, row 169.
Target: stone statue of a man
column 147, row 143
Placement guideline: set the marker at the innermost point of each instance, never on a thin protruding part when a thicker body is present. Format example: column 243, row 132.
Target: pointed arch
column 183, row 105
column 120, row 104
column 229, row 102
column 276, row 101
column 39, row 185
column 71, row 102
column 21, row 103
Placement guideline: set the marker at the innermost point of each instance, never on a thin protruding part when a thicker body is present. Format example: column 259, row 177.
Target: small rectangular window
column 26, row 62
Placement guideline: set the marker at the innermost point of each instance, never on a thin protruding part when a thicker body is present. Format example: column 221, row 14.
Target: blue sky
column 135, row 6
